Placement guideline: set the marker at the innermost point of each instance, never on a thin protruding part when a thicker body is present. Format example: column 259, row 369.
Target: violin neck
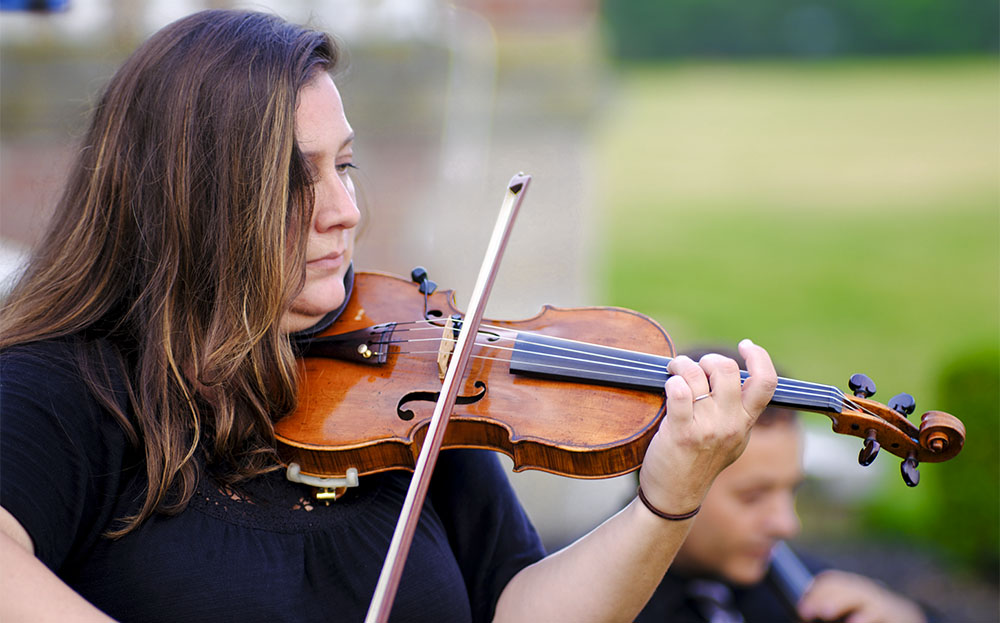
column 568, row 360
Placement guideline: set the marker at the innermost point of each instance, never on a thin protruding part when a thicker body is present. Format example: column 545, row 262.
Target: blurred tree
column 655, row 29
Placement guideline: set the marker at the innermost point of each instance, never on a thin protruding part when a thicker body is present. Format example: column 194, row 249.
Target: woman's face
column 326, row 140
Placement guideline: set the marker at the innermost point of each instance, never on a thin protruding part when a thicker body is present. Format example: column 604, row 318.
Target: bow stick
column 402, row 537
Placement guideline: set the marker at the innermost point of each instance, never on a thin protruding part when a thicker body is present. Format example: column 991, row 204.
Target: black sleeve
column 60, row 452
column 488, row 529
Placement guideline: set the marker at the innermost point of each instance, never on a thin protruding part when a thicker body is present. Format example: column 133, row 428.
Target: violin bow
column 402, row 537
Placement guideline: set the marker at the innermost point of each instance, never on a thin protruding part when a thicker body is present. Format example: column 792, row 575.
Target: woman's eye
column 342, row 168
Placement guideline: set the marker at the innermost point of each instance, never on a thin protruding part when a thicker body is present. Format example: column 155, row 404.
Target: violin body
column 349, row 411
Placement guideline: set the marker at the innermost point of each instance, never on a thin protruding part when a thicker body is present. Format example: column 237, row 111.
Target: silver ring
column 702, row 397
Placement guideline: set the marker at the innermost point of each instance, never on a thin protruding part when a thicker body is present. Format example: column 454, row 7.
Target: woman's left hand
column 707, row 424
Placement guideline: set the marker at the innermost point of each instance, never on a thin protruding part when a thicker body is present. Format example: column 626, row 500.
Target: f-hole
column 424, row 396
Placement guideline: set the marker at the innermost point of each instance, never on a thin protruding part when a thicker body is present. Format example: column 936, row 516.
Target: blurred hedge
column 959, row 509
column 967, row 494
column 640, row 29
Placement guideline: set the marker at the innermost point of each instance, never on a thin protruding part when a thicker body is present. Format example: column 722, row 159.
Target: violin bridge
column 446, row 348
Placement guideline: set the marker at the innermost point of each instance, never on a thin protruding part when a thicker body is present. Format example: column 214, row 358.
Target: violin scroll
column 939, row 437
column 940, row 431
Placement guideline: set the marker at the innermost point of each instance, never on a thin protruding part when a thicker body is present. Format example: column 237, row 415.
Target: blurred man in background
column 724, row 574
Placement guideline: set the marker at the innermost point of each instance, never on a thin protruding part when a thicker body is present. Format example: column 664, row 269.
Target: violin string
column 788, row 391
column 588, row 356
column 629, row 364
column 821, row 391
column 810, row 390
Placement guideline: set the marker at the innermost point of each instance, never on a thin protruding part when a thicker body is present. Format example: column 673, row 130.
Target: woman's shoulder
column 45, row 385
column 54, row 369
column 40, row 352
column 39, row 369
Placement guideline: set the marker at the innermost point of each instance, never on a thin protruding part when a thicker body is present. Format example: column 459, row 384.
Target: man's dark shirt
column 671, row 602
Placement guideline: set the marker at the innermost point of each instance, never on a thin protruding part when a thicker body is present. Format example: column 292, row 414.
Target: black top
column 264, row 553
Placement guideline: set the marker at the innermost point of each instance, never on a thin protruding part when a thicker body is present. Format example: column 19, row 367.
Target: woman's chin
column 314, row 302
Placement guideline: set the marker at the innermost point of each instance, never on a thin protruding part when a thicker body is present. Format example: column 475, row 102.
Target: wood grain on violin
column 577, row 392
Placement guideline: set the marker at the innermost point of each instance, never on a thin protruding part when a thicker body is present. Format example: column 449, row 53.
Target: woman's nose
column 336, row 205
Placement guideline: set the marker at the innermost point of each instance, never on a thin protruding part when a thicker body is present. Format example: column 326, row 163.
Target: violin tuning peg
column 911, row 476
column 861, row 385
column 870, row 450
column 419, row 275
column 903, row 404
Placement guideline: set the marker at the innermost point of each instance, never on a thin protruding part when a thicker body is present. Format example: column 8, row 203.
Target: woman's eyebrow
column 314, row 154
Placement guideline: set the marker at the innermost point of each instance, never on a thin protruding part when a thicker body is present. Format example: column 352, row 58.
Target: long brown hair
column 180, row 241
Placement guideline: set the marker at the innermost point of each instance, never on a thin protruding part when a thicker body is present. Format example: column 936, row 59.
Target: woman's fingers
column 692, row 373
column 723, row 379
column 687, row 382
column 718, row 376
column 759, row 388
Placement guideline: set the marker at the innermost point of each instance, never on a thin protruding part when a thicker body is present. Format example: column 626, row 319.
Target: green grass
column 845, row 215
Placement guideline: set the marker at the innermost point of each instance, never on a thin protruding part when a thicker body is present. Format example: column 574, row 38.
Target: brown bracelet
column 659, row 513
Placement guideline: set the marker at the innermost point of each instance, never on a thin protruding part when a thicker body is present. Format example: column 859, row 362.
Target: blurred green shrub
column 959, row 511
column 967, row 498
column 655, row 29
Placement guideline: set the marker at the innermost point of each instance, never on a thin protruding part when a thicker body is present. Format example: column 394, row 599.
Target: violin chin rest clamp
column 330, row 488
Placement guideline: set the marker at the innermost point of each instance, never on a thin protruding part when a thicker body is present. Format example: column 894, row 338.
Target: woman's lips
column 330, row 261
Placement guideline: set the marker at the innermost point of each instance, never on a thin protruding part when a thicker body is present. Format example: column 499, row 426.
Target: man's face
column 750, row 506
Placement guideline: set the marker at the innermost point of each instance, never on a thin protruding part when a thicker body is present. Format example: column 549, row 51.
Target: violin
column 575, row 392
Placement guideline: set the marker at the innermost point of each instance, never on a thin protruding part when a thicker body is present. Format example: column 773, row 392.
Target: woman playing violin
column 148, row 348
